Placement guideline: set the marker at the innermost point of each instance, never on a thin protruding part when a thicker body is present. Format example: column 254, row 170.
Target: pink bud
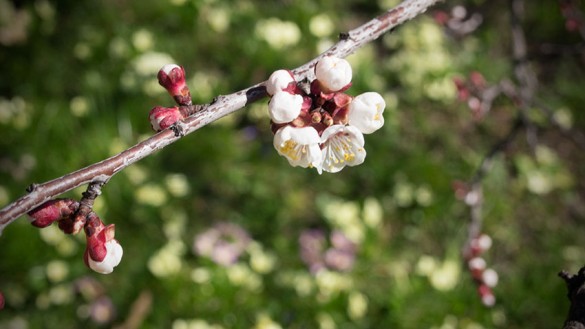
column 487, row 296
column 172, row 78
column 460, row 188
column 441, row 17
column 1, row 301
column 112, row 257
column 51, row 211
column 164, row 117
column 103, row 252
column 477, row 79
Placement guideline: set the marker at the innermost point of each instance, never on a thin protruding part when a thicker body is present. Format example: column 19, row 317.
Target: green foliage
column 77, row 86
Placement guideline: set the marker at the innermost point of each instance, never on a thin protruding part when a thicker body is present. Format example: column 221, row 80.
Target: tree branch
column 103, row 171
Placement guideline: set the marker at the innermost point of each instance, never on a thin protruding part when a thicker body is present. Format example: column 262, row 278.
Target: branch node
column 344, row 36
column 32, row 187
column 178, row 128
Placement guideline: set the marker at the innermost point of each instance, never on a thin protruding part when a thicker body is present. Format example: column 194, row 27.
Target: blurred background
column 219, row 231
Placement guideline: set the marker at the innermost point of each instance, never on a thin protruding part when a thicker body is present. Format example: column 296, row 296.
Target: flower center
column 292, row 149
column 340, row 150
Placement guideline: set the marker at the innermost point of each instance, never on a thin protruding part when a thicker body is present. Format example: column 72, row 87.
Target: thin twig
column 475, row 193
column 222, row 106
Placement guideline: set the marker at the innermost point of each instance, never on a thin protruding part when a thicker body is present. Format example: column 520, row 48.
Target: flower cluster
column 485, row 278
column 317, row 254
column 103, row 252
column 172, row 78
column 317, row 125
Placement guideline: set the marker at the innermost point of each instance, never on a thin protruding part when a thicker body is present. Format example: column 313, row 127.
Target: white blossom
column 365, row 112
column 112, row 259
column 284, row 107
column 333, row 73
column 277, row 81
column 300, row 146
column 342, row 145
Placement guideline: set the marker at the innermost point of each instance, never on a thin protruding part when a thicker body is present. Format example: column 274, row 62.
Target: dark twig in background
column 576, row 294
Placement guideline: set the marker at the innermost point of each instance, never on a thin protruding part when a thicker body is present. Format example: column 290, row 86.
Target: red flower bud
column 486, row 295
column 172, row 78
column 51, row 211
column 103, row 252
column 164, row 117
column 477, row 80
column 1, row 301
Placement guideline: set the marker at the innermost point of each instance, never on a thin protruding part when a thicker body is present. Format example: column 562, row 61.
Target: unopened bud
column 476, row 263
column 490, row 277
column 103, row 252
column 487, row 296
column 52, row 211
column 278, row 81
column 284, row 107
column 334, row 74
column 365, row 112
column 484, row 242
column 316, row 116
column 164, row 117
column 172, row 78
column 477, row 80
column 327, row 119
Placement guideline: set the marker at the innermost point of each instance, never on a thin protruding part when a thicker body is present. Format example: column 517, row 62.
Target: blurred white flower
column 357, row 305
column 321, row 26
column 279, row 34
column 150, row 63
